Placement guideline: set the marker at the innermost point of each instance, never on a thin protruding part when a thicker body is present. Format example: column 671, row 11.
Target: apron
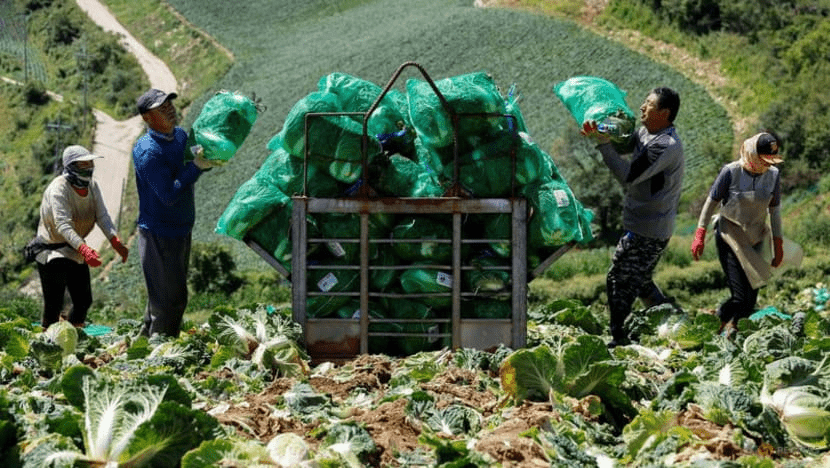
column 743, row 226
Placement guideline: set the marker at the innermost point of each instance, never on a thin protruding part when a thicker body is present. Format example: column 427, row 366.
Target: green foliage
column 212, row 269
column 787, row 40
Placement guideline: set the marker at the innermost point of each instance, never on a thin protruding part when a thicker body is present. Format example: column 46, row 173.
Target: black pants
column 61, row 275
column 630, row 276
column 741, row 302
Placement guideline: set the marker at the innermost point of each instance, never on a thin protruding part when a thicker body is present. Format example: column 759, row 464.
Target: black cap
column 767, row 148
column 152, row 99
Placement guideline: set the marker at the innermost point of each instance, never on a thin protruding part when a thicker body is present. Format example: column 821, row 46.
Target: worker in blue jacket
column 166, row 211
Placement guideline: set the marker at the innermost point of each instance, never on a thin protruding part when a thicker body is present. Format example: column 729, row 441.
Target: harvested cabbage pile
column 468, row 140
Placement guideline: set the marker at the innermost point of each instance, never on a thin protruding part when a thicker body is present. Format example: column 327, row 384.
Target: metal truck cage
column 339, row 339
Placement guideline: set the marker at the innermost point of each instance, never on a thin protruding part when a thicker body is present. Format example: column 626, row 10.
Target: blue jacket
column 165, row 183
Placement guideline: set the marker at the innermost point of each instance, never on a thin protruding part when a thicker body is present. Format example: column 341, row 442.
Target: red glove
column 119, row 247
column 90, row 255
column 698, row 244
column 778, row 244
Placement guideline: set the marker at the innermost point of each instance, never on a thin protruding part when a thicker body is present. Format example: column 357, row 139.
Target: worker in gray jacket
column 745, row 192
column 652, row 178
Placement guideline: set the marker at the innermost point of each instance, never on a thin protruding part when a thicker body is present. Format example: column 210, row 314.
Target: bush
column 34, row 92
column 212, row 269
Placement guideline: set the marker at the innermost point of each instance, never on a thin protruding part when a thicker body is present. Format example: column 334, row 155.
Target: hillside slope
column 283, row 49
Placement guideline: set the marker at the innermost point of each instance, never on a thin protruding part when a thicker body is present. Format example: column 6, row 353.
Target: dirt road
column 114, row 139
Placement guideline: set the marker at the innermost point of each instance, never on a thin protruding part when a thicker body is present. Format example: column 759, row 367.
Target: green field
column 282, row 49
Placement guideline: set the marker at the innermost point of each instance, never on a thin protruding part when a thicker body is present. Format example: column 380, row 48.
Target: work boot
column 655, row 298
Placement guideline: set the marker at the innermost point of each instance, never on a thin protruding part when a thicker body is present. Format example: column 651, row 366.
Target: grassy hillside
column 282, row 49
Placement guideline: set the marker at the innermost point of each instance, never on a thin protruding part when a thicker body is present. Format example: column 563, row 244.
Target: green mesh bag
column 420, row 227
column 558, row 216
column 286, row 173
column 335, row 142
column 593, row 98
column 428, row 280
column 380, row 279
column 484, row 278
column 223, row 124
column 402, row 177
column 347, row 226
column 253, row 201
column 330, row 280
column 470, row 93
column 429, row 158
column 485, row 309
column 409, row 309
column 273, row 234
column 357, row 95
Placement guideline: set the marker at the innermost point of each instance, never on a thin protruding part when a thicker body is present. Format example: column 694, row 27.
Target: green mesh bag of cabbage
column 594, row 98
column 223, row 124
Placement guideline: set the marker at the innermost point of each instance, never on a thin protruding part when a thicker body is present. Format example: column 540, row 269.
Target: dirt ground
column 393, row 431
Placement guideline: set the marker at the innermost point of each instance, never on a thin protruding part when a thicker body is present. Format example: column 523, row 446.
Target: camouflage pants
column 630, row 276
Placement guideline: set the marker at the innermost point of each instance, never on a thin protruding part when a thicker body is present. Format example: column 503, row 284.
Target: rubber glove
column 120, row 248
column 778, row 244
column 698, row 243
column 590, row 130
column 90, row 255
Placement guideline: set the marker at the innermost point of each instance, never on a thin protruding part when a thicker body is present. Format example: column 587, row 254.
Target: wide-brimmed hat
column 152, row 99
column 767, row 148
column 76, row 153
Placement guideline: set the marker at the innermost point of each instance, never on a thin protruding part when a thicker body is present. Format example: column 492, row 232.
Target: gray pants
column 164, row 261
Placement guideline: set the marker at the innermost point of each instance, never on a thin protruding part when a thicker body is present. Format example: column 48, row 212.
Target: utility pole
column 83, row 57
column 60, row 128
column 25, row 47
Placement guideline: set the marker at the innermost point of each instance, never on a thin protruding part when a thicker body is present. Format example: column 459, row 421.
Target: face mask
column 77, row 176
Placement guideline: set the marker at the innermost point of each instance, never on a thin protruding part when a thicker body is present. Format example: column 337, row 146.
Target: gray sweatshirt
column 652, row 179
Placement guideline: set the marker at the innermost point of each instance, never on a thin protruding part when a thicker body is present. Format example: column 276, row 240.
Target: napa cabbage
column 130, row 424
column 798, row 390
column 575, row 367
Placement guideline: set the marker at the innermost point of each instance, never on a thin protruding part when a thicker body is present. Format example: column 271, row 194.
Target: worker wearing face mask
column 71, row 206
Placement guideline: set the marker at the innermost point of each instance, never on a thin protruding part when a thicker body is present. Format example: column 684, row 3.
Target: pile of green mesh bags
column 410, row 152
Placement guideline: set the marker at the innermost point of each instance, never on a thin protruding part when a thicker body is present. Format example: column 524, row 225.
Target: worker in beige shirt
column 70, row 208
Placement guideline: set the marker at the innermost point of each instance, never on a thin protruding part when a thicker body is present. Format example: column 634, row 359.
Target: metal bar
column 552, row 258
column 519, row 280
column 298, row 262
column 266, row 255
column 364, row 283
column 410, row 205
column 456, row 280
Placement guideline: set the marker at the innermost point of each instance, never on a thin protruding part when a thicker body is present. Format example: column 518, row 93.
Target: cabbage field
column 240, row 391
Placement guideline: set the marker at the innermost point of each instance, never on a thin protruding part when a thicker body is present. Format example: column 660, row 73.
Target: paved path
column 113, row 139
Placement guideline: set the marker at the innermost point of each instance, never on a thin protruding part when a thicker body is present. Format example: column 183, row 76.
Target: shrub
column 212, row 269
column 34, row 92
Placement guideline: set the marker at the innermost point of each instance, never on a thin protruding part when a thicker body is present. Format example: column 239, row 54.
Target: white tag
column 336, row 249
column 444, row 279
column 328, row 282
column 562, row 199
column 433, row 333
column 195, row 149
